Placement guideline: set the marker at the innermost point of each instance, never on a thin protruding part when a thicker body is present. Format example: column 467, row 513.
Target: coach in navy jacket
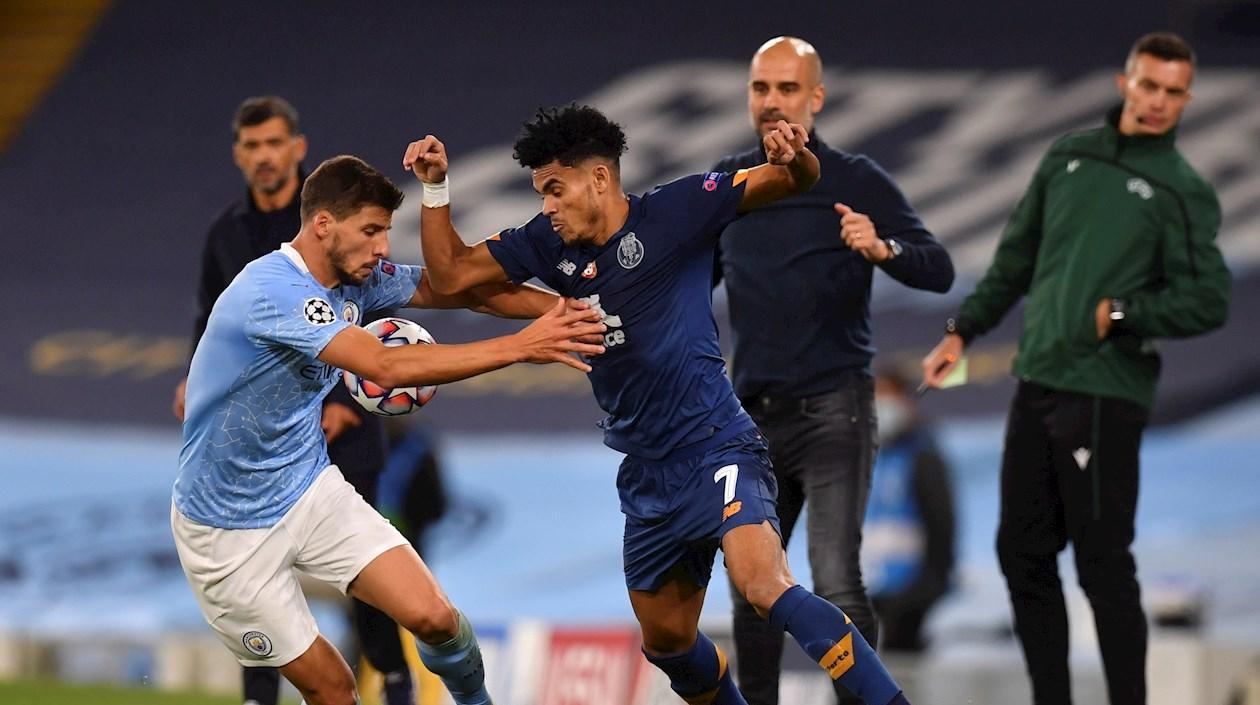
column 798, row 277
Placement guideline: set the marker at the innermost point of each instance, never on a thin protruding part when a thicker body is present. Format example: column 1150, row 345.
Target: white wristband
column 436, row 195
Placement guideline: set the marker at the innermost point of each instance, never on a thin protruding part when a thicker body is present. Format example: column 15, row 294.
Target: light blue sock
column 458, row 663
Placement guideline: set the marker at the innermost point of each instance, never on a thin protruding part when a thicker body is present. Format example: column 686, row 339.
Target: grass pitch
column 44, row 692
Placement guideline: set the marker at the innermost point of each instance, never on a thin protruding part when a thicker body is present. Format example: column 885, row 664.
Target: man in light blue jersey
column 697, row 474
column 256, row 498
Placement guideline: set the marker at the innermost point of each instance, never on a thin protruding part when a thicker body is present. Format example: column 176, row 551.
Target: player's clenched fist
column 427, row 159
column 784, row 142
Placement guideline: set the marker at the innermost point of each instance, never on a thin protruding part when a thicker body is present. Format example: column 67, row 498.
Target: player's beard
column 337, row 256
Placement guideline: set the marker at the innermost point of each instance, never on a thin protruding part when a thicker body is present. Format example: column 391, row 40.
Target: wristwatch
column 1117, row 310
column 894, row 248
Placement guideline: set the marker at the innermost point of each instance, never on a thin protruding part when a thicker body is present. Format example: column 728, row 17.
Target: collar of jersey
column 633, row 216
column 288, row 250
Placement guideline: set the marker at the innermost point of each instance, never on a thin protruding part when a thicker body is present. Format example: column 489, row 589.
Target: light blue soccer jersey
column 252, row 439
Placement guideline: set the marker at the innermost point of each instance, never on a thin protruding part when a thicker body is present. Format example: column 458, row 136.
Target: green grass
column 53, row 693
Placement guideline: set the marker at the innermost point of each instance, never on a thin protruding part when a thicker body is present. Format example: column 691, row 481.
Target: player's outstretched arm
column 454, row 267
column 551, row 338
column 790, row 169
column 502, row 300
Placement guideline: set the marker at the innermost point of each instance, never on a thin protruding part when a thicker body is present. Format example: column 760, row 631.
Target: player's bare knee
column 432, row 623
column 668, row 638
column 762, row 589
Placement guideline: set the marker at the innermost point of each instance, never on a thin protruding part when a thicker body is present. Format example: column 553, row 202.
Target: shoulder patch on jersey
column 629, row 251
column 711, row 180
column 318, row 312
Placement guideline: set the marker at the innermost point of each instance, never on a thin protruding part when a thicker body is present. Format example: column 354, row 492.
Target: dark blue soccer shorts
column 677, row 511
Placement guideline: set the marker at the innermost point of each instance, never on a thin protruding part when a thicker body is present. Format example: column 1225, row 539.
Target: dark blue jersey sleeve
column 528, row 251
column 704, row 203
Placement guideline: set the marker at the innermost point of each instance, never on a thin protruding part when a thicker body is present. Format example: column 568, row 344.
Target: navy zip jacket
column 799, row 297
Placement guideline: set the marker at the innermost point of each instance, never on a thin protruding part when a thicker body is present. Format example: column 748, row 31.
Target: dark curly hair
column 569, row 135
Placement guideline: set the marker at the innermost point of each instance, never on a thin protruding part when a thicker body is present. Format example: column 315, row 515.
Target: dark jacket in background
column 799, row 297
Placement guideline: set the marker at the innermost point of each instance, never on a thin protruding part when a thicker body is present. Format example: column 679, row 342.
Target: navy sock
column 827, row 635
column 700, row 675
column 458, row 663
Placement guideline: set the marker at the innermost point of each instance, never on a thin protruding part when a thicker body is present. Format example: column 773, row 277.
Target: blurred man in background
column 411, row 492
column 1114, row 244
column 268, row 147
column 798, row 279
column 908, row 551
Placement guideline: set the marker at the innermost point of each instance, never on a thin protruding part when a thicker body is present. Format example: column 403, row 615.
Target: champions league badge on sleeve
column 318, row 312
column 630, row 251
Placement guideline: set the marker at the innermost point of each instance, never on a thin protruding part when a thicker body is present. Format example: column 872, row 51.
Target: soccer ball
column 401, row 400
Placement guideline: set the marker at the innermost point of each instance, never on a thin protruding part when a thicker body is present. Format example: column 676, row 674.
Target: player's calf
column 758, row 568
column 457, row 661
column 699, row 675
column 829, row 637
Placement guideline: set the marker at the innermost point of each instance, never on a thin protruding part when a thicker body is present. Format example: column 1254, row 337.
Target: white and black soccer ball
column 400, row 400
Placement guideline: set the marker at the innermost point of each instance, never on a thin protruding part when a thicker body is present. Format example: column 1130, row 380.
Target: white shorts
column 246, row 579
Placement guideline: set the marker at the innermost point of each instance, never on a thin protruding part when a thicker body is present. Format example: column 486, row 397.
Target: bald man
column 798, row 276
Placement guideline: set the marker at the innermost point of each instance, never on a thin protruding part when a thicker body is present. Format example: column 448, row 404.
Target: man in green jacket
column 1114, row 245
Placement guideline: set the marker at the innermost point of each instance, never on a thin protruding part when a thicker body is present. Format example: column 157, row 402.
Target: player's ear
column 299, row 147
column 322, row 223
column 601, row 177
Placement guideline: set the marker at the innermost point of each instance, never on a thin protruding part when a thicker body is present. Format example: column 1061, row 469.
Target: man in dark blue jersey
column 697, row 474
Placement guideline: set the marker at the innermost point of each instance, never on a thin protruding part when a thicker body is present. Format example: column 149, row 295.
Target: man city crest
column 350, row 312
column 257, row 642
column 630, row 251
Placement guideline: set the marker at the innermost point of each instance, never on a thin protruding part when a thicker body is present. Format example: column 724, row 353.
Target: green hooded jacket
column 1106, row 216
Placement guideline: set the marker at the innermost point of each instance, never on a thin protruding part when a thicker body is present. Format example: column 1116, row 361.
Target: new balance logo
column 567, row 267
